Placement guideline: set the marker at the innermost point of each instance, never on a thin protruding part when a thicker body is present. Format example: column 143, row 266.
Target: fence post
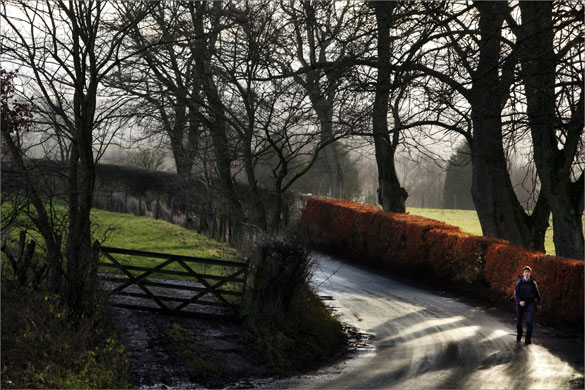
column 96, row 193
column 202, row 219
column 93, row 268
column 245, row 286
column 187, row 210
column 221, row 233
column 156, row 210
column 213, row 223
column 172, row 210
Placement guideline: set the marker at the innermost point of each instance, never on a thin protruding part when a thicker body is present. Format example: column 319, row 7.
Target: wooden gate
column 176, row 284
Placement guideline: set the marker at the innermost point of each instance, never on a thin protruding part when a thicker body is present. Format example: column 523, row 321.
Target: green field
column 154, row 235
column 468, row 222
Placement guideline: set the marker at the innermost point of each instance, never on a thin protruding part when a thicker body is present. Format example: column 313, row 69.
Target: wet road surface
column 422, row 339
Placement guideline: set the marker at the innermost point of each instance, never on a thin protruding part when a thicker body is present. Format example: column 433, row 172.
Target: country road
column 422, row 339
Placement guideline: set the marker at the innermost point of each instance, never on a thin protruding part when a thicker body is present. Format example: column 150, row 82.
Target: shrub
column 294, row 330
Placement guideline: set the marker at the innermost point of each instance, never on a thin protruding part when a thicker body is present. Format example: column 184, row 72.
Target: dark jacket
column 526, row 290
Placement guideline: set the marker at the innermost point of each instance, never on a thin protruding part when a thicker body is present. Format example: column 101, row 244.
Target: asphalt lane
column 422, row 339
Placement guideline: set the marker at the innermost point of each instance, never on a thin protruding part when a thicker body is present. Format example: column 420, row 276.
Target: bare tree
column 67, row 52
column 469, row 59
column 163, row 77
column 556, row 137
column 326, row 32
column 392, row 195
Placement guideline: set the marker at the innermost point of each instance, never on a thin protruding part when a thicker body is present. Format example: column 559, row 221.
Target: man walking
column 525, row 294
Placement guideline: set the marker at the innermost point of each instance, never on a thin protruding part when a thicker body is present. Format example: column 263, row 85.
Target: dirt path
column 157, row 360
column 426, row 340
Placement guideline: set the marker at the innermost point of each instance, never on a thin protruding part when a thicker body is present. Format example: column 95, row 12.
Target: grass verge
column 307, row 337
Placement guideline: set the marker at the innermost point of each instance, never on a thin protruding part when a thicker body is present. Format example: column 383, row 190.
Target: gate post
column 255, row 293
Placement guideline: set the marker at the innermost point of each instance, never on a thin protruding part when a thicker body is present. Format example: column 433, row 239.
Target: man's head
column 527, row 271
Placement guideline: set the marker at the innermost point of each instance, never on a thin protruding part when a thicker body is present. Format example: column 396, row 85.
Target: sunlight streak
column 496, row 334
column 424, row 326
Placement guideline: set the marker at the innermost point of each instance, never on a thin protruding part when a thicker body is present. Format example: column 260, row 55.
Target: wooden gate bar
column 134, row 280
column 154, row 255
column 171, row 299
column 202, row 287
column 175, row 286
column 211, row 289
column 204, row 282
column 169, row 272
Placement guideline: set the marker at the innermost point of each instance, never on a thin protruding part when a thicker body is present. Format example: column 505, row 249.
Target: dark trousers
column 527, row 310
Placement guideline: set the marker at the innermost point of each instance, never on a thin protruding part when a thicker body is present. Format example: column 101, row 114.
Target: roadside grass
column 306, row 337
column 45, row 346
column 468, row 221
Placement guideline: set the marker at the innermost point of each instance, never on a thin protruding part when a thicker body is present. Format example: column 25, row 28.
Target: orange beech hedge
column 413, row 243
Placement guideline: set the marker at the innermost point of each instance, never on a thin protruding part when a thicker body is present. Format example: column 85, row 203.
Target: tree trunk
column 176, row 132
column 324, row 109
column 184, row 134
column 218, row 125
column 78, row 249
column 258, row 211
column 500, row 214
column 392, row 195
column 323, row 106
column 334, row 169
column 553, row 165
column 322, row 97
column 42, row 221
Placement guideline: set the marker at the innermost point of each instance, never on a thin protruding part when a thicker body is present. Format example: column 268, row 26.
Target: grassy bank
column 154, row 235
column 293, row 328
column 43, row 347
